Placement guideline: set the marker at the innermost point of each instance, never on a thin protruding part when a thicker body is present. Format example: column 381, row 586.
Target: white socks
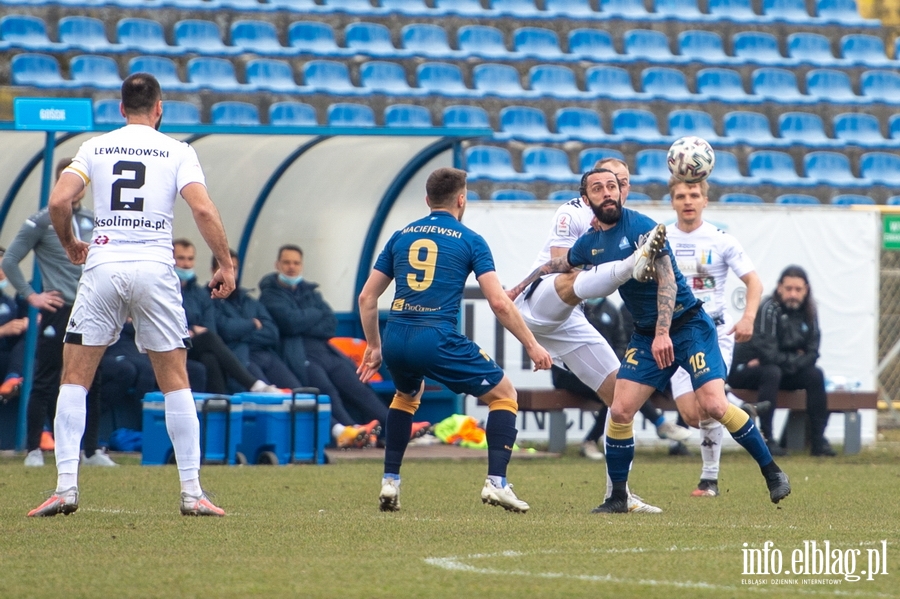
column 259, row 385
column 711, row 432
column 603, row 279
column 184, row 431
column 68, row 428
column 336, row 430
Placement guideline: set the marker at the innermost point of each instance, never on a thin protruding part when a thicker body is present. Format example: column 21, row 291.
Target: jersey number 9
column 424, row 264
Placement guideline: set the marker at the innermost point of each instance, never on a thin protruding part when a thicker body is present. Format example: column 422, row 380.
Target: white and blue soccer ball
column 691, row 159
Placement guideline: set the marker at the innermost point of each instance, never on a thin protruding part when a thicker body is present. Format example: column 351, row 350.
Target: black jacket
column 298, row 312
column 779, row 335
column 198, row 305
column 234, row 320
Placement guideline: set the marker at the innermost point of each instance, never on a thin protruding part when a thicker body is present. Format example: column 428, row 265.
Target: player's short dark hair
column 183, row 242
column 215, row 263
column 444, row 185
column 610, row 159
column 61, row 165
column 582, row 187
column 289, row 247
column 704, row 185
column 140, row 93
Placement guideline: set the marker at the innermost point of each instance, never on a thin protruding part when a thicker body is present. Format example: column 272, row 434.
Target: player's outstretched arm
column 743, row 329
column 206, row 215
column 560, row 264
column 368, row 313
column 510, row 318
column 662, row 349
column 64, row 194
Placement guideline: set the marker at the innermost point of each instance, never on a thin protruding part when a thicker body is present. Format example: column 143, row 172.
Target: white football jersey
column 704, row 257
column 137, row 174
column 572, row 220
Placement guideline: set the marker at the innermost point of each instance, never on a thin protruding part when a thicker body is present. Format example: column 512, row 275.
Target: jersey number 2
column 424, row 264
column 140, row 171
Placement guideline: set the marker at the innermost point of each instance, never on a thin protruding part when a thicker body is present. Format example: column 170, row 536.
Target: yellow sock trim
column 614, row 430
column 734, row 418
column 405, row 405
column 509, row 405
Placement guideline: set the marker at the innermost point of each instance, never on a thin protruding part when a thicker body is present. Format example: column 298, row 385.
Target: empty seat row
column 786, row 199
column 774, row 11
column 493, row 163
column 768, row 84
column 419, row 39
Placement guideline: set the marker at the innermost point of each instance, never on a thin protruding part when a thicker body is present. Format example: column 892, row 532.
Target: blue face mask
column 292, row 281
column 4, row 283
column 185, row 274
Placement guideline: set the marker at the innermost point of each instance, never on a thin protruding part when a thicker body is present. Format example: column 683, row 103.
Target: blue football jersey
column 430, row 260
column 619, row 242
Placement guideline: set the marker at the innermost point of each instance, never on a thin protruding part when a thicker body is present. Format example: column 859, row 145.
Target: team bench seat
column 554, row 401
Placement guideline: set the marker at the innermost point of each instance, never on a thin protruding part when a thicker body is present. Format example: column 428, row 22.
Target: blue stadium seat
column 426, row 40
column 843, row 12
column 549, row 164
column 769, row 166
column 651, row 168
column 880, row 168
column 748, row 127
column 164, row 69
column 893, row 201
column 95, row 71
column 469, row 8
column 646, row 44
column 203, row 37
column 106, row 112
column 482, row 40
column 579, row 9
column 524, row 122
column 778, row 85
column 829, row 168
column 636, row 125
column 759, row 47
column 740, row 198
column 860, row 129
column 24, row 31
column 882, row 86
column 722, row 84
column 513, row 195
column 271, row 75
column 407, row 115
column 176, row 112
column 787, row 11
column 213, row 73
column 472, row 195
column 143, row 35
column 797, row 199
column 257, row 37
column 328, row 76
column 637, row 196
column 86, row 33
column 292, row 114
column 591, row 44
column 682, row 10
column 630, row 9
column 465, row 116
column 740, row 11
column 850, row 199
column 353, row 7
column 234, row 113
column 406, row 7
column 300, row 6
column 441, row 78
column 515, row 8
column 803, row 128
column 313, row 37
column 588, row 157
column 38, row 70
column 813, row 48
column 537, row 42
column 667, row 84
column 563, row 195
column 829, row 85
column 580, row 123
column 727, row 171
column 611, row 82
column 243, row 5
column 554, row 80
column 491, row 163
column 345, row 114
column 703, row 46
column 894, row 127
column 861, row 48
column 370, row 38
column 498, row 79
column 384, row 77
column 692, row 122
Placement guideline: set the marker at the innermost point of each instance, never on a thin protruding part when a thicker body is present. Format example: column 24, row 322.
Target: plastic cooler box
column 220, row 416
column 281, row 429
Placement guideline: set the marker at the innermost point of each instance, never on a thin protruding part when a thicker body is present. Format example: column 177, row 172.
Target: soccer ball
column 691, row 159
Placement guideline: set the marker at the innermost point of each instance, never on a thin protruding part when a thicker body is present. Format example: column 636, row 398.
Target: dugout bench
column 554, row 401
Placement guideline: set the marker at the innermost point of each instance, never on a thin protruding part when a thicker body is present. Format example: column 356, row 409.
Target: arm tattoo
column 560, row 264
column 665, row 295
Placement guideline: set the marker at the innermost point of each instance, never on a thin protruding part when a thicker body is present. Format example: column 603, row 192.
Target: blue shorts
column 696, row 345
column 415, row 352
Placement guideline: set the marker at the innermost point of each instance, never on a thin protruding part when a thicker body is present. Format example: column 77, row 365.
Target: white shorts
column 148, row 292
column 681, row 380
column 566, row 333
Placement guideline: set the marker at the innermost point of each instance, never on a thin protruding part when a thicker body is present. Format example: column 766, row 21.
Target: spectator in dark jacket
column 13, row 324
column 782, row 355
